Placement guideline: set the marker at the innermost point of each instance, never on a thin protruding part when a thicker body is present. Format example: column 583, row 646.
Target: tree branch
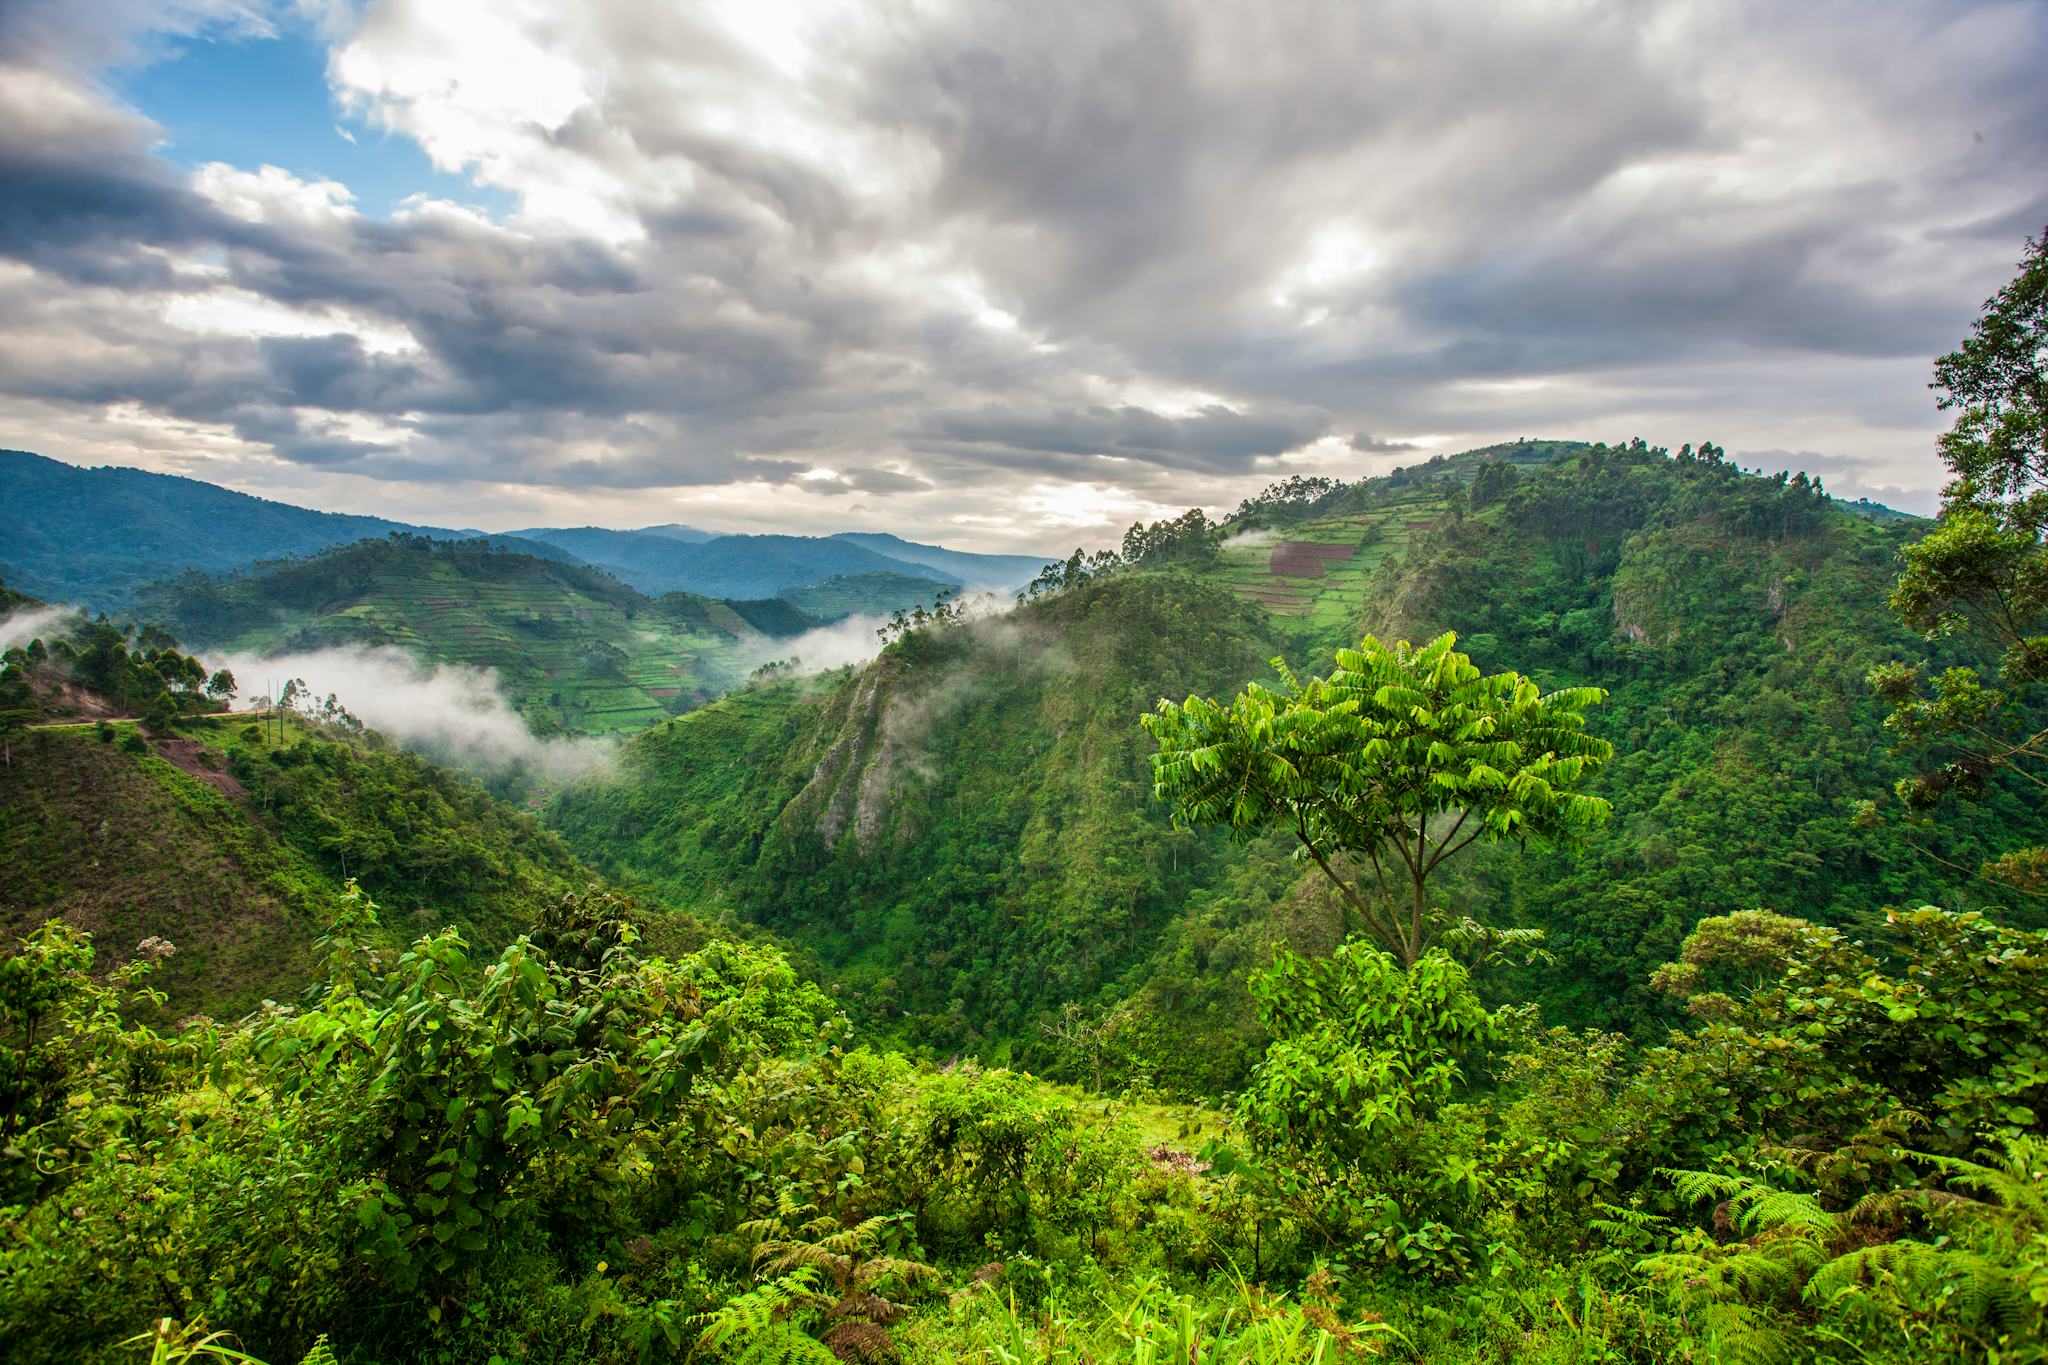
column 1358, row 903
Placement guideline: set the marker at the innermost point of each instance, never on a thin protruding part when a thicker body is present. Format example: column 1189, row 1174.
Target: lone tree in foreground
column 1402, row 757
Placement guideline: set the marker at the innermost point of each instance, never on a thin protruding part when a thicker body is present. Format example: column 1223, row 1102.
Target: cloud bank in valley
column 30, row 623
column 1005, row 276
column 823, row 648
column 451, row 712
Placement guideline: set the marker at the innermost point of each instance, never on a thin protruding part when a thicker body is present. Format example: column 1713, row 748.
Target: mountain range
column 98, row 536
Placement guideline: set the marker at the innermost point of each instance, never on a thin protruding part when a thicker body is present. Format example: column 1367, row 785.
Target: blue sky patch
column 252, row 102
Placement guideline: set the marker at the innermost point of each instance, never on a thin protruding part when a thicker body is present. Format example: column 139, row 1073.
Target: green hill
column 865, row 594
column 95, row 536
column 235, row 847
column 751, row 566
column 962, row 830
column 575, row 650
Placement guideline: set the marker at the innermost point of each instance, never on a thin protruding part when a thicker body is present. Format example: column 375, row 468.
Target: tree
column 1998, row 381
column 1981, row 577
column 1189, row 538
column 1494, row 481
column 1403, row 757
column 13, row 720
column 1353, row 1109
column 221, row 685
column 162, row 715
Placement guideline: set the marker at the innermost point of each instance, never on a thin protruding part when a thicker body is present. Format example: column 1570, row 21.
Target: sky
column 1003, row 276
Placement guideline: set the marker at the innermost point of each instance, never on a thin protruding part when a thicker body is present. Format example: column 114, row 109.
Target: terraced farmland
column 1319, row 569
column 574, row 650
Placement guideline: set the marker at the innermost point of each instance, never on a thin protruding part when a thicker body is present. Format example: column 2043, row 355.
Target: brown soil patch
column 69, row 701
column 183, row 754
column 1306, row 559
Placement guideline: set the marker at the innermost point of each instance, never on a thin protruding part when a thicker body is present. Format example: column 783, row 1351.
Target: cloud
column 1214, row 438
column 851, row 641
column 30, row 623
column 454, row 713
column 1366, row 444
column 925, row 260
column 1846, row 476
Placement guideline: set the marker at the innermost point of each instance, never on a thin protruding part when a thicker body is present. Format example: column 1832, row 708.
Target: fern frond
column 1973, row 1289
column 859, row 1237
column 780, row 1344
column 911, row 1273
column 861, row 1341
column 774, row 1259
column 754, row 1313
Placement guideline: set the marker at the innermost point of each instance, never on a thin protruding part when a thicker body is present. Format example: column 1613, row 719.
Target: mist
column 820, row 650
column 1247, row 540
column 30, row 623
column 452, row 712
column 855, row 641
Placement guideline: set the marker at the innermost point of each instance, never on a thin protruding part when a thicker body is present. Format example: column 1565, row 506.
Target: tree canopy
column 1979, row 582
column 1402, row 757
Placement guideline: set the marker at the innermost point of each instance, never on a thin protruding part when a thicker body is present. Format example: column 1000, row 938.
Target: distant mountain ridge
column 573, row 648
column 94, row 536
column 658, row 559
column 973, row 570
column 743, row 566
column 97, row 536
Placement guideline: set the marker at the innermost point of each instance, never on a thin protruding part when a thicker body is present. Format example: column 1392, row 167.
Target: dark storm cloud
column 1149, row 173
column 1367, row 444
column 82, row 197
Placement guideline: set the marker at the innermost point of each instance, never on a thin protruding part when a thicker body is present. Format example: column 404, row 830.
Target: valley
column 800, row 684
column 1052, row 939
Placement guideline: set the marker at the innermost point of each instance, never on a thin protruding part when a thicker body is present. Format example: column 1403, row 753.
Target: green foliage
column 1982, row 576
column 958, row 832
column 1357, row 1105
column 1838, row 1042
column 425, row 842
column 1402, row 752
column 835, row 1282
column 1189, row 538
column 1974, row 1285
column 1996, row 382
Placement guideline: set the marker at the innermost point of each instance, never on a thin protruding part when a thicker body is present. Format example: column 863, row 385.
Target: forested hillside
column 575, row 650
column 94, row 536
column 743, row 566
column 135, row 808
column 962, row 830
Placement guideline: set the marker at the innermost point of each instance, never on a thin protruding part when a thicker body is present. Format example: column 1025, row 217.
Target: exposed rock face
column 837, row 783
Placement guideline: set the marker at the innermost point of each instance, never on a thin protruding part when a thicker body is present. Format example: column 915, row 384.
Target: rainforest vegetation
column 1563, row 903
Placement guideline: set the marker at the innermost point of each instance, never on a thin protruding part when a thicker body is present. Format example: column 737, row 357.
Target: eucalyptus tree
column 1401, row 758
